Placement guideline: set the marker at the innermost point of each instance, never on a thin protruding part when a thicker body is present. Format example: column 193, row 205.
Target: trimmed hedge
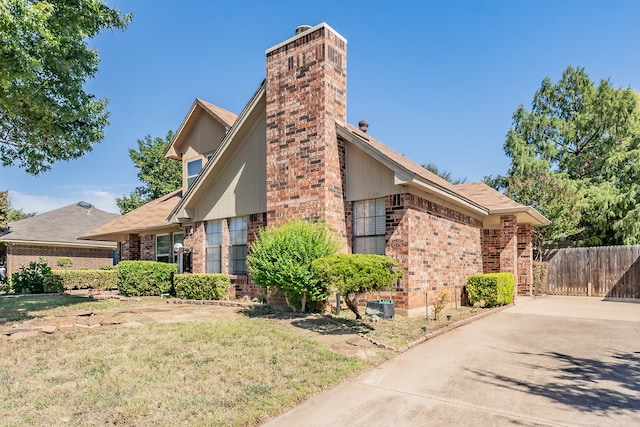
column 87, row 279
column 494, row 289
column 202, row 286
column 145, row 278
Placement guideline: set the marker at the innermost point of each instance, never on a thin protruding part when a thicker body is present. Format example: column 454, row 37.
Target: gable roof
column 224, row 117
column 151, row 216
column 60, row 227
column 476, row 196
column 179, row 210
column 498, row 203
column 406, row 171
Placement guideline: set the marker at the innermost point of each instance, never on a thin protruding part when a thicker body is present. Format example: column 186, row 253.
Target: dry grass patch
column 400, row 331
column 229, row 371
column 17, row 308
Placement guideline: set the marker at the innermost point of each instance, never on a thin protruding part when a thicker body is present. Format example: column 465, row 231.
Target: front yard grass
column 236, row 371
column 240, row 369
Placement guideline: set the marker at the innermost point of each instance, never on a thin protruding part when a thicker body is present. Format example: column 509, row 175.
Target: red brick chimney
column 306, row 97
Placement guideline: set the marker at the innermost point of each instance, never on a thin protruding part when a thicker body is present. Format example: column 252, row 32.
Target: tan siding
column 239, row 184
column 203, row 138
column 366, row 177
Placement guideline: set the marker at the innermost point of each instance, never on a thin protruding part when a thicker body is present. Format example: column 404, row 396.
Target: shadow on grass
column 15, row 308
column 318, row 323
column 606, row 385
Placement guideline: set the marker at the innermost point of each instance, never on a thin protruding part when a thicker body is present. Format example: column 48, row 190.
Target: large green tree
column 159, row 175
column 45, row 113
column 444, row 173
column 575, row 156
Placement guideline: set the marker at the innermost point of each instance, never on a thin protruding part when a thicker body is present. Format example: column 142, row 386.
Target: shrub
column 87, row 279
column 34, row 278
column 281, row 258
column 353, row 274
column 494, row 289
column 442, row 299
column 202, row 286
column 65, row 262
column 145, row 278
column 5, row 286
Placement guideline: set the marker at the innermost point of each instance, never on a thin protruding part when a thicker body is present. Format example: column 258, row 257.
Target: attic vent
column 85, row 205
column 302, row 29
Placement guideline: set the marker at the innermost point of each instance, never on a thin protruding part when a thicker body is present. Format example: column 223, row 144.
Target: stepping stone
column 26, row 334
column 48, row 329
column 80, row 325
column 10, row 332
column 109, row 322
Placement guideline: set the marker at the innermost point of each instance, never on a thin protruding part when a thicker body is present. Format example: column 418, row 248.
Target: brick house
column 54, row 235
column 291, row 154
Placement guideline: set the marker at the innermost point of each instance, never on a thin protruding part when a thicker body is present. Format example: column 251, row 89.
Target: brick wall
column 195, row 238
column 148, row 247
column 306, row 96
column 491, row 251
column 131, row 247
column 438, row 247
column 92, row 258
column 525, row 260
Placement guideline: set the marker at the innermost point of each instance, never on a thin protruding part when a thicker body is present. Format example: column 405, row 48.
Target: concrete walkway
column 552, row 361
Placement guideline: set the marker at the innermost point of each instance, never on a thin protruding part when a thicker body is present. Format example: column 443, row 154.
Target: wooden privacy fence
column 608, row 271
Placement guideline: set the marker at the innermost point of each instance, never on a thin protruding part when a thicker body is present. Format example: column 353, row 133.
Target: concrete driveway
column 552, row 361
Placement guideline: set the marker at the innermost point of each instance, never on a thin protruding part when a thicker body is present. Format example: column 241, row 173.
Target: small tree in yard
column 281, row 257
column 352, row 275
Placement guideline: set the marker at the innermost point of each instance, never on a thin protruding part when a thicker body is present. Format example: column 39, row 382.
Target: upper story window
column 369, row 227
column 214, row 247
column 193, row 169
column 238, row 245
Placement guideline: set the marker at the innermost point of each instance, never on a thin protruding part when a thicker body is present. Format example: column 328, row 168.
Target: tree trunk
column 353, row 305
column 303, row 302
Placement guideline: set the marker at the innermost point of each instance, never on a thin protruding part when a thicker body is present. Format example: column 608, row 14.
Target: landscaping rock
column 26, row 334
column 48, row 329
column 10, row 332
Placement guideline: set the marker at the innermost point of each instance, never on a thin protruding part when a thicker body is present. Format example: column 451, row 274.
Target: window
column 177, row 238
column 369, row 225
column 214, row 247
column 162, row 247
column 193, row 169
column 238, row 245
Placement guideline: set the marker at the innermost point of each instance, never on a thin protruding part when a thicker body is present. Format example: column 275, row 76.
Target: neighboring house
column 54, row 235
column 291, row 154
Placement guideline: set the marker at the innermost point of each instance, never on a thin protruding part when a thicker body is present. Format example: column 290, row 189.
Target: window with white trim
column 214, row 247
column 369, row 227
column 162, row 247
column 238, row 245
column 193, row 169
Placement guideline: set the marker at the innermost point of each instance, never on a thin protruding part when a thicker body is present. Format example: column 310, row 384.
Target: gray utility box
column 382, row 308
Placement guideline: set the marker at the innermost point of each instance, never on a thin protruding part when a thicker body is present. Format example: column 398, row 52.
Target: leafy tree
column 4, row 210
column 575, row 156
column 45, row 113
column 159, row 175
column 444, row 174
column 351, row 275
column 7, row 214
column 281, row 258
column 18, row 214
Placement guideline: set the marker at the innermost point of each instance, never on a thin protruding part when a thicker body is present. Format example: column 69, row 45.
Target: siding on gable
column 366, row 177
column 238, row 186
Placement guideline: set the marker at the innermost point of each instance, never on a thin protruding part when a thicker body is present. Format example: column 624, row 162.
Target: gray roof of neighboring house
column 60, row 227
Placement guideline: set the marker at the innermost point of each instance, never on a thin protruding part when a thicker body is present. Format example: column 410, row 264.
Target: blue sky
column 437, row 80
